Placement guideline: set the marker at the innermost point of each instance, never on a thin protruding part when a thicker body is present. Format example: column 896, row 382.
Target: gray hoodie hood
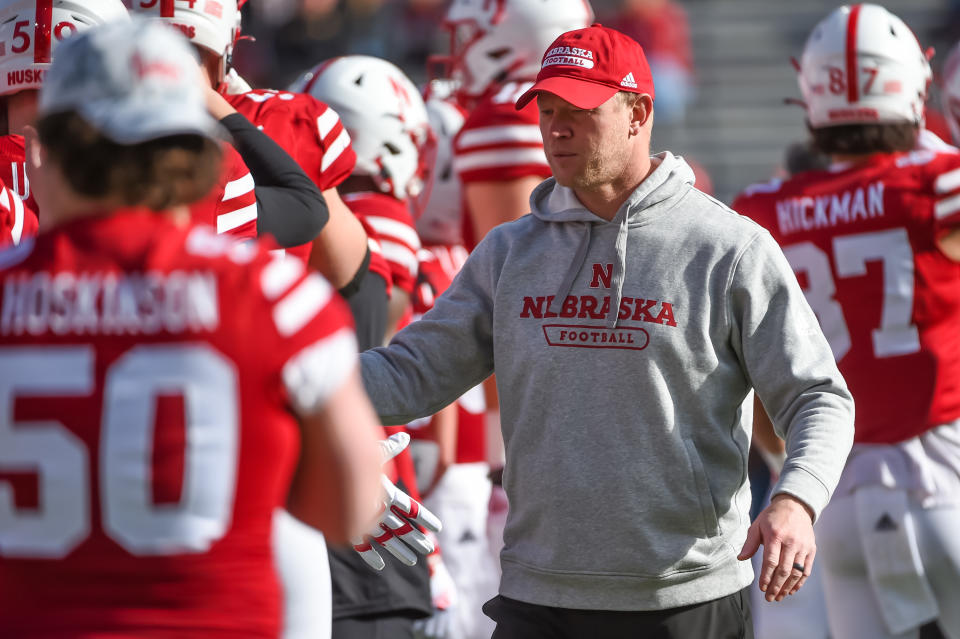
column 659, row 192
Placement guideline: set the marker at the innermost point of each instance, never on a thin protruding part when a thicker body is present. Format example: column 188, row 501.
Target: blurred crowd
column 288, row 35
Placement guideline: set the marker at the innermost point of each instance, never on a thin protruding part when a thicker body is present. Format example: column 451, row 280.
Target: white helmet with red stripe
column 385, row 116
column 211, row 24
column 495, row 40
column 950, row 92
column 31, row 29
column 863, row 65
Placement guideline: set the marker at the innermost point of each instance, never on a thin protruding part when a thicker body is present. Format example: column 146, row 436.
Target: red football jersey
column 231, row 206
column 393, row 225
column 378, row 263
column 13, row 167
column 17, row 222
column 861, row 240
column 498, row 143
column 148, row 372
column 13, row 174
column 307, row 129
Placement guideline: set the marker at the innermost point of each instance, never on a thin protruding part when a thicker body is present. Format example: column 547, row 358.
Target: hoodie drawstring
column 619, row 270
column 575, row 266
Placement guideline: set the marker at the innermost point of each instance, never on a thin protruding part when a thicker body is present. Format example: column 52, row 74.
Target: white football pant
column 460, row 501
column 889, row 566
column 300, row 553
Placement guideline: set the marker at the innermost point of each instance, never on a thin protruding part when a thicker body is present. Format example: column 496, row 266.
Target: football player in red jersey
column 388, row 126
column 495, row 54
column 159, row 383
column 874, row 241
column 311, row 133
column 386, row 119
column 282, row 203
column 33, row 30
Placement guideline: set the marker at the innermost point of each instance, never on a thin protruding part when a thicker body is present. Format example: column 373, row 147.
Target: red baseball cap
column 587, row 67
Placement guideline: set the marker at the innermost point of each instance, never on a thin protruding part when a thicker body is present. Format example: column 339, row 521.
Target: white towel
column 894, row 568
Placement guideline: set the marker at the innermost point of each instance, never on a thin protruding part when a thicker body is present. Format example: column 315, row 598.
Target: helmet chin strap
column 222, row 72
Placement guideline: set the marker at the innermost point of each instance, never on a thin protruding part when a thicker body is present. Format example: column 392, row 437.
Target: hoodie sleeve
column 792, row 369
column 436, row 359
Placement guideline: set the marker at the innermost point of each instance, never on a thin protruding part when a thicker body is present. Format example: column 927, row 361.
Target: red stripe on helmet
column 853, row 82
column 167, row 8
column 42, row 31
column 308, row 87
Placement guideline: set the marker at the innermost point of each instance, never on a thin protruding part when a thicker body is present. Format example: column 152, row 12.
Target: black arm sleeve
column 291, row 208
column 367, row 297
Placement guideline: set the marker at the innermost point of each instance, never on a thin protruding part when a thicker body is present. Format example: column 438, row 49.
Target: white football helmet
column 32, row 32
column 211, row 24
column 496, row 40
column 863, row 65
column 441, row 208
column 385, row 117
column 950, row 92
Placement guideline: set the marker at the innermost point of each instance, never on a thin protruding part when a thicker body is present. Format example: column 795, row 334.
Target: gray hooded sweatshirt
column 623, row 352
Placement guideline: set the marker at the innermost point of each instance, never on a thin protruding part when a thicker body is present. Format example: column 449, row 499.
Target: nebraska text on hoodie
column 623, row 352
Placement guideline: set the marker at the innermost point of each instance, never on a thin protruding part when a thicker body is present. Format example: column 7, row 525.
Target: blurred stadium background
column 724, row 65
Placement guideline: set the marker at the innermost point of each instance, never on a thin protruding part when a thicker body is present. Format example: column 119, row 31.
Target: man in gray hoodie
column 627, row 319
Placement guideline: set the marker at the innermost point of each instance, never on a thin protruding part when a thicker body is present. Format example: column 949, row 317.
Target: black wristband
column 354, row 285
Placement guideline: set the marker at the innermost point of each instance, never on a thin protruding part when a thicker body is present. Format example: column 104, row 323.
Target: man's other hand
column 785, row 529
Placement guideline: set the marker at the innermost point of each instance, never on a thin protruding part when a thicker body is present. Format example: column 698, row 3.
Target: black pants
column 373, row 628
column 724, row 618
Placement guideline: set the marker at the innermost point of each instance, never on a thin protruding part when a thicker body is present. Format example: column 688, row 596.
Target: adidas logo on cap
column 628, row 81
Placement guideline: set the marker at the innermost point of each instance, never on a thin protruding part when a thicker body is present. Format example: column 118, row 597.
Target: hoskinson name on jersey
column 807, row 213
column 109, row 303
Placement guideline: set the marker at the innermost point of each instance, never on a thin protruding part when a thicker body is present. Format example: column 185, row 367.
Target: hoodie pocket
column 711, row 522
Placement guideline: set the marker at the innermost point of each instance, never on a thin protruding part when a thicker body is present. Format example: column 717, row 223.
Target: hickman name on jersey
column 862, row 241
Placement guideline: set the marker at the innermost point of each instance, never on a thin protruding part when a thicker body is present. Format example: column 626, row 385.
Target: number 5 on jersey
column 208, row 383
